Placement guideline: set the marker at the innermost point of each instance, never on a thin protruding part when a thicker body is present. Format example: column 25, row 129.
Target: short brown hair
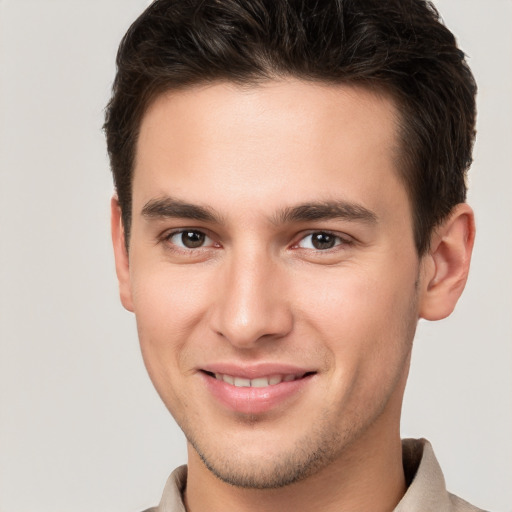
column 399, row 46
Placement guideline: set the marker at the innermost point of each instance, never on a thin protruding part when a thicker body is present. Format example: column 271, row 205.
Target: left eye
column 320, row 241
column 189, row 239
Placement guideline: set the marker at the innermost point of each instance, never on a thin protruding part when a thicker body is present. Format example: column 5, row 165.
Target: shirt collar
column 426, row 486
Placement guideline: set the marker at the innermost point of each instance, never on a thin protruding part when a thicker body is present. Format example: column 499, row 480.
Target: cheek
column 346, row 298
column 367, row 325
column 365, row 315
column 168, row 297
column 168, row 308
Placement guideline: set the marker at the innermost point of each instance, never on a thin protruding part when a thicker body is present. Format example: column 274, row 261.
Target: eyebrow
column 169, row 207
column 326, row 210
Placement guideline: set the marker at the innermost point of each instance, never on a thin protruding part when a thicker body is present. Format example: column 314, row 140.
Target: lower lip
column 248, row 400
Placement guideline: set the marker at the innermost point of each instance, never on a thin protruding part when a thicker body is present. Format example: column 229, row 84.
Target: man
column 290, row 181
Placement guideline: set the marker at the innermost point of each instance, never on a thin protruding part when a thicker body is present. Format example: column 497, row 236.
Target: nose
column 251, row 303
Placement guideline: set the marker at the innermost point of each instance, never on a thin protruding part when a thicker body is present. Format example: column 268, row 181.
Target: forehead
column 284, row 107
column 276, row 142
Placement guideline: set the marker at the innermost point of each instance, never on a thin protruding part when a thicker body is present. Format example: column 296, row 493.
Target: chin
column 270, row 464
column 267, row 474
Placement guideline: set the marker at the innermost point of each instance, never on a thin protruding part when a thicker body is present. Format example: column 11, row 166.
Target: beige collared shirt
column 426, row 490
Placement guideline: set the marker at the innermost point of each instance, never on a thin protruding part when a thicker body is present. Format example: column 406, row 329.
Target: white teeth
column 275, row 379
column 228, row 379
column 260, row 382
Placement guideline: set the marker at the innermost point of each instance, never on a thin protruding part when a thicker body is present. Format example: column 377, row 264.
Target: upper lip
column 254, row 371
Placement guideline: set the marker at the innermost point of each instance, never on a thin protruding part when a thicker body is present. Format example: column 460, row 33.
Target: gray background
column 81, row 428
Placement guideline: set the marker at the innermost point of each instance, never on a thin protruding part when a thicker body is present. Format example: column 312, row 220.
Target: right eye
column 189, row 239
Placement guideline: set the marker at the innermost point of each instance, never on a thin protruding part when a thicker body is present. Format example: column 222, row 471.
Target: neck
column 369, row 476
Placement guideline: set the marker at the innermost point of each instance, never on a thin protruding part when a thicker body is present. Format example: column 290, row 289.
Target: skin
column 257, row 290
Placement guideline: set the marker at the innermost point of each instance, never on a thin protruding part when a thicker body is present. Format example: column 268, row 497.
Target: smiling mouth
column 259, row 382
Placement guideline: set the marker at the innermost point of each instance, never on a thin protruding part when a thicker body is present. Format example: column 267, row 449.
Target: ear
column 120, row 254
column 446, row 266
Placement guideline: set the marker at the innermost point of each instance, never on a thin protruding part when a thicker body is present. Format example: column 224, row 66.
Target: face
column 273, row 273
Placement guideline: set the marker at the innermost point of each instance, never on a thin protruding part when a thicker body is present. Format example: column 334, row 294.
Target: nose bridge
column 250, row 303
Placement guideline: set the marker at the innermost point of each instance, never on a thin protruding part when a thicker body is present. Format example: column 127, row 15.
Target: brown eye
column 189, row 239
column 323, row 241
column 192, row 239
column 320, row 241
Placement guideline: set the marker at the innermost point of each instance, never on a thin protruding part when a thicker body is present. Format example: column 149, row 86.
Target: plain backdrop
column 81, row 427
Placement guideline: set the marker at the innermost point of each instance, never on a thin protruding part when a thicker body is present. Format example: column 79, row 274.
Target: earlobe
column 447, row 264
column 120, row 254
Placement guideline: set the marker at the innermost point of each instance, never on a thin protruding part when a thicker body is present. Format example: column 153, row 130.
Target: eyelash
column 340, row 240
column 166, row 238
